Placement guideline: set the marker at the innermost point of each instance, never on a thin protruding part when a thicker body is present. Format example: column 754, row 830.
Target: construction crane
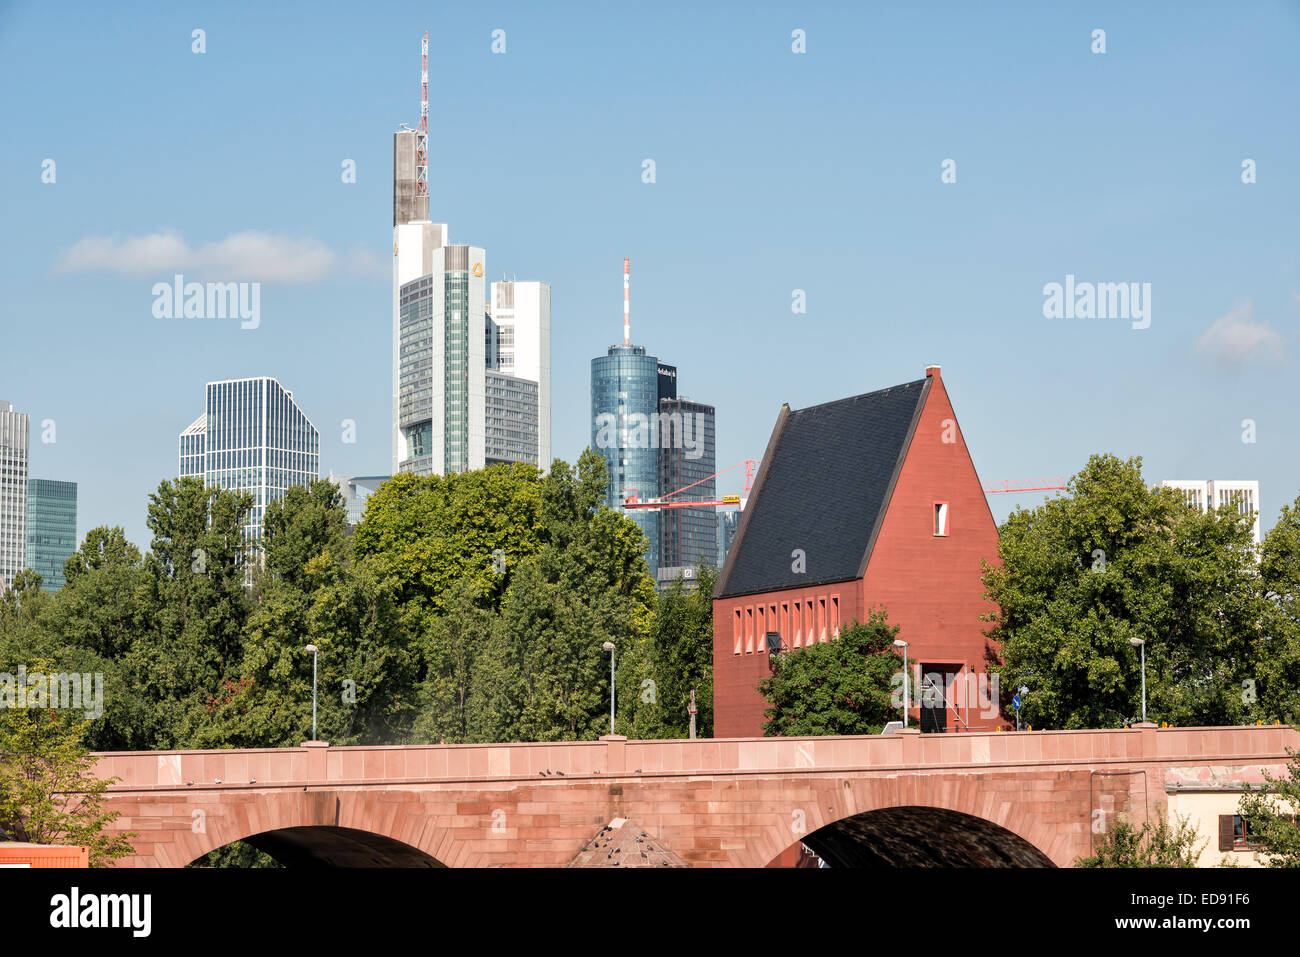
column 1024, row 485
column 631, row 499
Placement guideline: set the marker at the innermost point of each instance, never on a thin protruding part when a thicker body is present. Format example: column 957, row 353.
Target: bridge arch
column 935, row 820
column 299, row 828
column 919, row 836
column 322, row 846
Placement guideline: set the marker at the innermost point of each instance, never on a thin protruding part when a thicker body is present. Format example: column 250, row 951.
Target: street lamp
column 311, row 650
column 1141, row 646
column 609, row 646
column 900, row 643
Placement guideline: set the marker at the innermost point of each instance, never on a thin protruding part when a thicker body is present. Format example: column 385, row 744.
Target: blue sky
column 775, row 171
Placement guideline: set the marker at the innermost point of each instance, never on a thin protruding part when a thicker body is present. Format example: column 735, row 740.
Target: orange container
column 43, row 855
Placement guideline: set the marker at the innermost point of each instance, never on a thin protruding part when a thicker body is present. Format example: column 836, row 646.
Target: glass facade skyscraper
column 624, row 400
column 442, row 363
column 51, row 529
column 687, row 456
column 14, row 428
column 510, row 419
column 253, row 437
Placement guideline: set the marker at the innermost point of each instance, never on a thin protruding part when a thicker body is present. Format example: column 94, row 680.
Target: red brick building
column 864, row 502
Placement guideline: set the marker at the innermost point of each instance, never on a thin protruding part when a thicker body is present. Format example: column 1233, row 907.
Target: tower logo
column 478, row 269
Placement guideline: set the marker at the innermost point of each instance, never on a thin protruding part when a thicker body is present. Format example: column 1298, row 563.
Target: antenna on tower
column 627, row 326
column 422, row 133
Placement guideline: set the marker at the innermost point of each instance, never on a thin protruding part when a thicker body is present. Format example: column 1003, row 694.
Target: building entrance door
column 937, row 684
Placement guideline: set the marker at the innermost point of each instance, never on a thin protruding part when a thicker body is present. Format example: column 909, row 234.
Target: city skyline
column 895, row 265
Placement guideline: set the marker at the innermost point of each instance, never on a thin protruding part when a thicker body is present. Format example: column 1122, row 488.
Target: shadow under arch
column 919, row 836
column 322, row 846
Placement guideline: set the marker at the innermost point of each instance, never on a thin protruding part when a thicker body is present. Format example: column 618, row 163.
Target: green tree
column 450, row 646
column 103, row 620
column 1084, row 574
column 436, row 530
column 542, row 674
column 1155, row 844
column 303, row 524
column 49, row 793
column 837, row 687
column 199, row 564
column 1277, row 673
column 680, row 658
column 1273, row 815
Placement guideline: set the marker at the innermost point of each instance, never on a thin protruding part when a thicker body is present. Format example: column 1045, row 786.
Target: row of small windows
column 799, row 623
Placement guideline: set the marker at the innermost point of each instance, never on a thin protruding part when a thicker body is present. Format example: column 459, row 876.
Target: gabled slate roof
column 823, row 487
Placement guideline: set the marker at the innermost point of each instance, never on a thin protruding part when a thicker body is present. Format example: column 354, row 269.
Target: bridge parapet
column 315, row 763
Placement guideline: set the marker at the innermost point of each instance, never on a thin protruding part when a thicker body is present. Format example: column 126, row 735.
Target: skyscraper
column 415, row 240
column 442, row 365
column 252, row 437
column 654, row 444
column 51, row 529
column 471, row 386
column 687, row 460
column 624, row 403
column 13, row 493
column 521, row 319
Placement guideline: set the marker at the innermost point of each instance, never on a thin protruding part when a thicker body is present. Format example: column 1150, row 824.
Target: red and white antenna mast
column 627, row 326
column 422, row 133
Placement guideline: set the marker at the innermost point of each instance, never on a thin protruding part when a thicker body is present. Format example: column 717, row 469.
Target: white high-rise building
column 254, row 438
column 456, row 406
column 1214, row 493
column 14, row 427
column 521, row 312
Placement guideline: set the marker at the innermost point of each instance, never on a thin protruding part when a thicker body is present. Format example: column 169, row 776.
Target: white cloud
column 1237, row 338
column 244, row 256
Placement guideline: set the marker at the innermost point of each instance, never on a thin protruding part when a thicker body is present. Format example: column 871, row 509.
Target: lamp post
column 609, row 646
column 900, row 643
column 311, row 649
column 1141, row 646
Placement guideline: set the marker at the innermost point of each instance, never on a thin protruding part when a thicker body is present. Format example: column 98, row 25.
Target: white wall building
column 14, row 427
column 522, row 314
column 1213, row 493
column 445, row 416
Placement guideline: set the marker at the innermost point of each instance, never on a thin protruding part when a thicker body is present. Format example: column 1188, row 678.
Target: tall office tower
column 521, row 317
column 625, row 389
column 1205, row 495
column 51, row 529
column 13, row 493
column 252, row 437
column 728, row 522
column 415, row 238
column 442, row 365
column 624, row 401
column 688, row 537
column 510, row 425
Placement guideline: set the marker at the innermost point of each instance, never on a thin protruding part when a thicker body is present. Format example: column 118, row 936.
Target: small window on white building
column 941, row 518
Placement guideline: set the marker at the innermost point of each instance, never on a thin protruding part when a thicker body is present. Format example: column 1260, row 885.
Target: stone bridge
column 996, row 799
